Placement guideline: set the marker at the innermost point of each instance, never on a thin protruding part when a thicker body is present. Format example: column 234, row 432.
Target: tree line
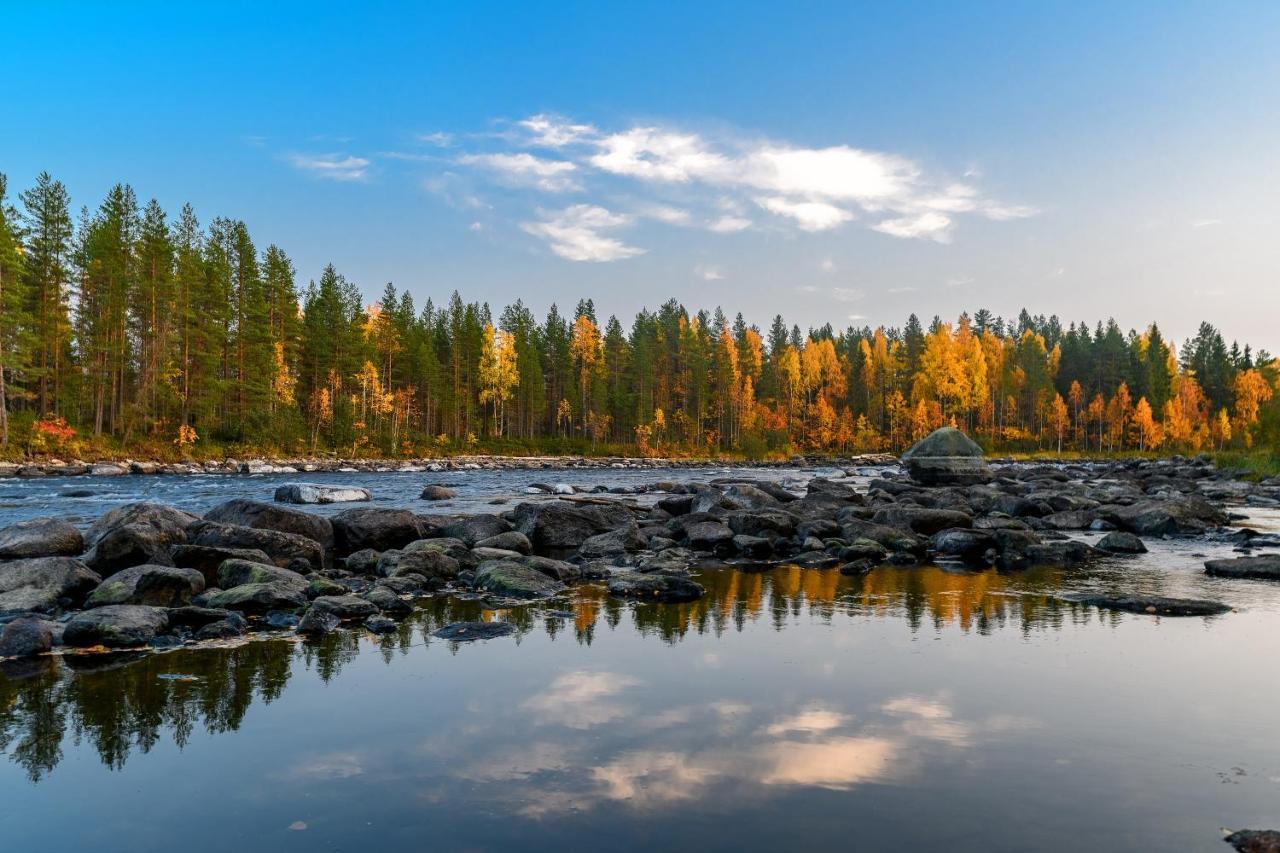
column 126, row 327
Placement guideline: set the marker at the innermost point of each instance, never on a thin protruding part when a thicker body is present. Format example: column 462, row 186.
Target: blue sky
column 834, row 162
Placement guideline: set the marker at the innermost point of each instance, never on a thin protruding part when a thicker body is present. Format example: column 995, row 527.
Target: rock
column 767, row 523
column 344, row 606
column 223, row 629
column 947, row 457
column 260, row 515
column 1186, row 514
column 403, row 585
column 561, row 525
column 25, row 637
column 842, row 492
column 376, row 528
column 40, row 537
column 475, row 528
column 511, row 540
column 363, row 562
column 318, row 586
column 614, row 543
column 207, row 558
column 116, row 626
column 171, row 523
column 510, row 579
column 314, row 493
column 317, row 621
column 106, row 469
column 969, row 545
column 709, row 535
column 429, row 564
column 156, row 586
column 234, row 573
column 388, row 602
column 1120, row 542
column 922, row 520
column 437, row 493
column 1262, row 567
column 864, row 549
column 43, row 584
column 198, row 617
column 283, row 548
column 1071, row 519
column 128, row 545
column 1155, row 605
column 891, row 538
column 654, row 586
column 281, row 620
column 380, row 625
column 1255, row 840
column 752, row 546
column 259, row 598
column 463, row 632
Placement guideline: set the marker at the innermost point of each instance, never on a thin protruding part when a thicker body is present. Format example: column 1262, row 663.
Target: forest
column 124, row 329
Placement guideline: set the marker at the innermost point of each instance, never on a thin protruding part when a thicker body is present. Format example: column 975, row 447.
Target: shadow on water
column 121, row 704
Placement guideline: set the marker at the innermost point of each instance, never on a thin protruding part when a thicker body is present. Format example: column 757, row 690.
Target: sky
column 833, row 162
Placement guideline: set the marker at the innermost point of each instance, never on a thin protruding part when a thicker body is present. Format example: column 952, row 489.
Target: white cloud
column 438, row 139
column 332, row 167
column 649, row 153
column 809, row 215
column 574, row 234
column 708, row 272
column 581, row 699
column 857, row 317
column 728, row 224
column 526, row 170
column 959, row 280
column 664, row 213
column 547, row 131
column 933, row 225
column 846, row 294
column 903, row 289
column 1206, row 223
column 827, row 265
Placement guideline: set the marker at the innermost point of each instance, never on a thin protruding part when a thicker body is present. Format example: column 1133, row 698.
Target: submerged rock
column 462, row 632
column 1155, row 605
column 40, row 537
column 1255, row 840
column 1263, row 567
column 947, row 457
column 314, row 493
column 1120, row 542
column 654, row 586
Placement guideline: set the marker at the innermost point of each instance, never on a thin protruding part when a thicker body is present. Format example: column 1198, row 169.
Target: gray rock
column 511, row 579
column 1155, row 605
column 380, row 625
column 1255, row 840
column 1262, row 567
column 314, row 493
column 318, row 586
column 259, row 598
column 428, row 564
column 207, row 558
column 25, row 637
column 344, row 606
column 388, row 602
column 709, row 535
column 318, row 621
column 284, row 549
column 511, row 540
column 1119, row 542
column 947, row 457
column 371, row 527
column 435, row 492
column 561, row 525
column 40, row 537
column 924, row 520
column 474, row 528
column 155, row 586
column 260, row 515
column 614, row 543
column 42, row 584
column 363, row 562
column 463, row 632
column 116, row 626
column 170, row 522
column 127, row 545
column 963, row 543
column 654, row 586
column 1186, row 514
column 238, row 572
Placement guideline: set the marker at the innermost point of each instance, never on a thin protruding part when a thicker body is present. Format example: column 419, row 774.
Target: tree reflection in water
column 124, row 703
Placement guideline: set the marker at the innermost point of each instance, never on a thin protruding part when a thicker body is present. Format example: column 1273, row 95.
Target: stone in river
column 42, row 584
column 515, row 580
column 461, row 632
column 25, row 637
column 1255, row 840
column 1120, row 542
column 40, row 537
column 157, row 586
column 436, row 492
column 947, row 457
column 313, row 493
column 1263, row 567
column 1155, row 605
column 654, row 586
column 116, row 626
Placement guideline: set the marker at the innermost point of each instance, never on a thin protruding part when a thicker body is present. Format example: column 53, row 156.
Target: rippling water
column 907, row 709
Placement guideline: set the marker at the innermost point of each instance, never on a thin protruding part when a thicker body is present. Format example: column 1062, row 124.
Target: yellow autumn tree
column 499, row 374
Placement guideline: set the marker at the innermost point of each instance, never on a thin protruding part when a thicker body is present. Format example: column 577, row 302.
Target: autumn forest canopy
column 126, row 328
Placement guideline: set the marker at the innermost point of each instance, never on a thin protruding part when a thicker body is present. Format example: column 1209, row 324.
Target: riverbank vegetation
column 127, row 331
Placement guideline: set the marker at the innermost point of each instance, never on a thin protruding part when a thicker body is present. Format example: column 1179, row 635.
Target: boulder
column 233, row 573
column 510, row 579
column 1119, row 542
column 128, row 545
column 1262, row 567
column 315, row 493
column 170, row 522
column 475, row 528
column 463, row 632
column 207, row 558
column 424, row 563
column 923, row 520
column 387, row 601
column 436, row 492
column 198, row 617
column 40, row 537
column 376, row 528
column 709, row 535
column 614, row 543
column 380, row 625
column 345, row 607
column 156, row 586
column 1188, row 514
column 654, row 586
column 260, row 515
column 963, row 543
column 25, row 637
column 116, row 626
column 259, row 598
column 1255, row 840
column 562, row 525
column 43, row 584
column 511, row 540
column 284, row 549
column 947, row 457
column 317, row 621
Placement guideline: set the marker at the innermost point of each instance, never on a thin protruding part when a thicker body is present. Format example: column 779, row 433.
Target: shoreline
column 312, row 465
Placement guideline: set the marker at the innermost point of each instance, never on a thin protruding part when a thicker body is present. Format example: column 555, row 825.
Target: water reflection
column 121, row 705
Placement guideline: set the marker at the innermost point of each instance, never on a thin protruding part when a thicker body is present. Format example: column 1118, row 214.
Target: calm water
column 909, row 709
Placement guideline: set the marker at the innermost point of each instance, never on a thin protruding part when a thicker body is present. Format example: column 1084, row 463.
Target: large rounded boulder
column 947, row 457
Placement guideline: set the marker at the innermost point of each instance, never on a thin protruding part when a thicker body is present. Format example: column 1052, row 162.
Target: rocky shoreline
column 311, row 465
column 152, row 576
